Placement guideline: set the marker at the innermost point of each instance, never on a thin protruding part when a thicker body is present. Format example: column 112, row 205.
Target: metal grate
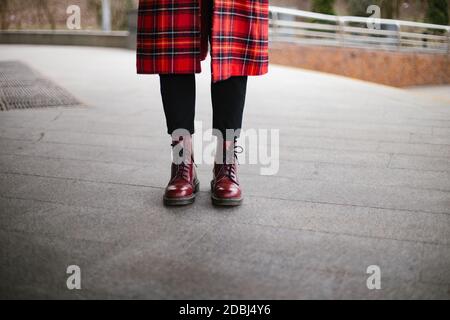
column 22, row 88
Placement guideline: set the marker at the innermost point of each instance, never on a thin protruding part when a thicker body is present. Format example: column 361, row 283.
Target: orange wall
column 399, row 69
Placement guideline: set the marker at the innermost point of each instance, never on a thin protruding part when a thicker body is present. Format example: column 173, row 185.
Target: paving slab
column 363, row 180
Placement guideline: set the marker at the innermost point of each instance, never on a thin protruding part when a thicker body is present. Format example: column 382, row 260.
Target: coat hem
column 262, row 73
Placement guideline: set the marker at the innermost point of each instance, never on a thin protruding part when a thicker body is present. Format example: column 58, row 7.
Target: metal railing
column 306, row 27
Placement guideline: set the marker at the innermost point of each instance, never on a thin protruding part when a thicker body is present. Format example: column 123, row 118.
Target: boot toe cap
column 179, row 191
column 227, row 192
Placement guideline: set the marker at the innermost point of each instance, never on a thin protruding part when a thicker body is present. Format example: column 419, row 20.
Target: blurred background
column 408, row 46
column 50, row 14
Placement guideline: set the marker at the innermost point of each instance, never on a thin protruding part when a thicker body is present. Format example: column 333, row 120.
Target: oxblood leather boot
column 183, row 185
column 225, row 188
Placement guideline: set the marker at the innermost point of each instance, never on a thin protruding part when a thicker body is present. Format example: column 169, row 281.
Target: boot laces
column 230, row 168
column 182, row 168
column 182, row 171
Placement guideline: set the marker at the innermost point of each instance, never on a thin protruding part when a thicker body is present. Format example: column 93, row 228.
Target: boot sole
column 172, row 202
column 221, row 202
column 226, row 202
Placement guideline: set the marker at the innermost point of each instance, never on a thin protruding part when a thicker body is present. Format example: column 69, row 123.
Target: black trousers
column 228, row 100
column 178, row 96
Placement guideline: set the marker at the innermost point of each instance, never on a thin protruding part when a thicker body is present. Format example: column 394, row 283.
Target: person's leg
column 178, row 96
column 228, row 99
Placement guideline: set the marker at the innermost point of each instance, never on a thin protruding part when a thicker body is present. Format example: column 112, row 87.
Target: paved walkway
column 364, row 180
column 434, row 92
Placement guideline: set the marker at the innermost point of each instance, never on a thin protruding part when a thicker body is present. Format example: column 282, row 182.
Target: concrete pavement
column 364, row 180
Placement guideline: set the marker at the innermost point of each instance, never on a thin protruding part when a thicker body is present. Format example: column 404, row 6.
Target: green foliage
column 437, row 12
column 323, row 6
column 359, row 7
column 390, row 9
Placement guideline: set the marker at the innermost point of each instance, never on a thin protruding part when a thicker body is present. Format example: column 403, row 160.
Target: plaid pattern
column 170, row 37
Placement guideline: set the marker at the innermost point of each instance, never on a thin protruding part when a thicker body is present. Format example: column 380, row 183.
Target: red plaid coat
column 171, row 39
